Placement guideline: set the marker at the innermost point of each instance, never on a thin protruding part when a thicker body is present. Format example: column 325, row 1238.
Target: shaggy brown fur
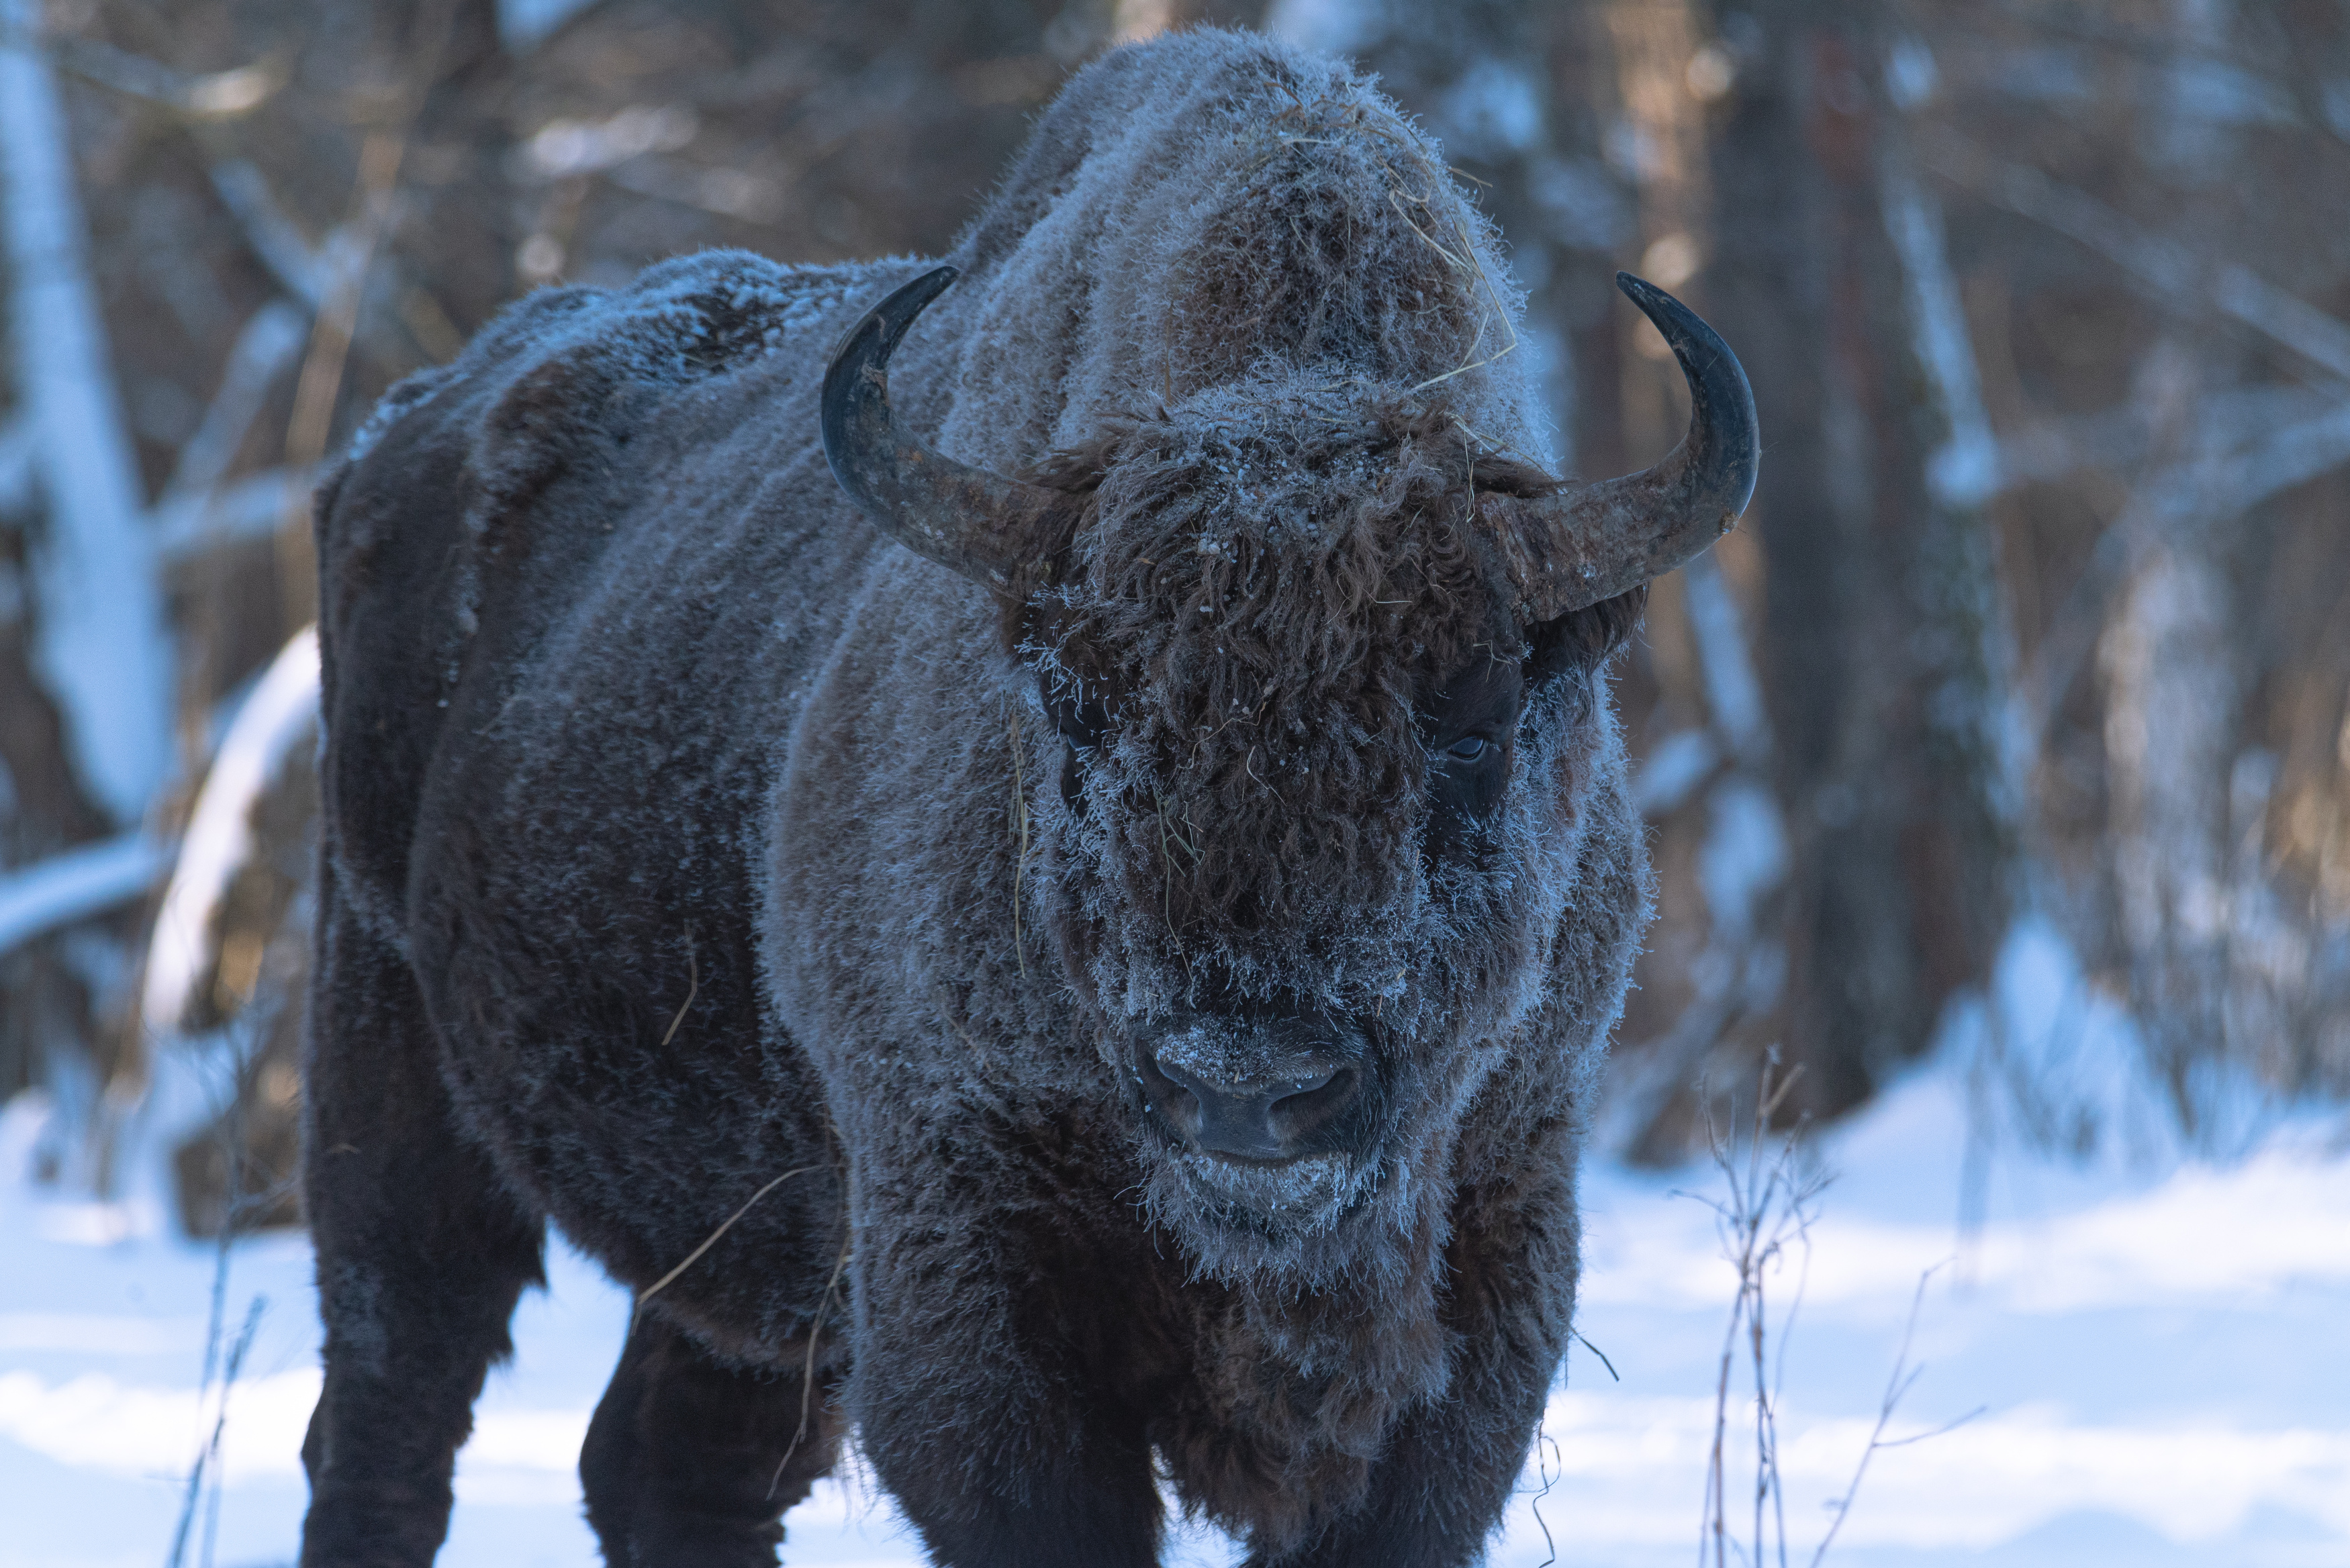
column 683, row 832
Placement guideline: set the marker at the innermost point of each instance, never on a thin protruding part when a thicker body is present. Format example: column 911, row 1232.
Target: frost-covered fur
column 688, row 841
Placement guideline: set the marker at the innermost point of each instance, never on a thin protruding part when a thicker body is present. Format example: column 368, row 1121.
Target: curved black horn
column 990, row 529
column 1581, row 547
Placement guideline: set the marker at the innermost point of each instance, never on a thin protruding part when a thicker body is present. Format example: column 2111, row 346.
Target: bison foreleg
column 692, row 1462
column 1441, row 1486
column 1435, row 1495
column 986, row 1401
column 422, row 1254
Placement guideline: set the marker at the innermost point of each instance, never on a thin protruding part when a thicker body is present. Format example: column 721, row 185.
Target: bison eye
column 1468, row 748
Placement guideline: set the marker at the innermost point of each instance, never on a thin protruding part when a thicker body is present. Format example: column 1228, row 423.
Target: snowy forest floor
column 2154, row 1342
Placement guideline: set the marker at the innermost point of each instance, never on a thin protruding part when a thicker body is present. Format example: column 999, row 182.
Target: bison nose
column 1270, row 1116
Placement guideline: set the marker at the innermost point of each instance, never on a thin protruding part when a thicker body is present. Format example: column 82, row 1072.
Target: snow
column 2150, row 1335
column 76, row 883
column 1495, row 110
column 1965, row 471
column 1733, row 692
column 1675, row 767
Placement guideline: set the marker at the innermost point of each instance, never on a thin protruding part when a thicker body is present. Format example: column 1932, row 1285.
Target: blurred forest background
column 2041, row 620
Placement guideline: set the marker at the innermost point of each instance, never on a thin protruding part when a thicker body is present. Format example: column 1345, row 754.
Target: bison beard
column 1145, row 979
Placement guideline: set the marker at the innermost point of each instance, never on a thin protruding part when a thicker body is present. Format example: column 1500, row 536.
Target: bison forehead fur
column 716, row 879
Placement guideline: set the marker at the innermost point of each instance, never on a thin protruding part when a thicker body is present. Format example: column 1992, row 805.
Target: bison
column 1047, row 885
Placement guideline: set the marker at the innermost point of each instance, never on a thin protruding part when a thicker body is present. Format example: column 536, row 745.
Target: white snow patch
column 1984, row 1483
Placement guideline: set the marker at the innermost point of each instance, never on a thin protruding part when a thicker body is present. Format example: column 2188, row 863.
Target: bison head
column 1325, row 671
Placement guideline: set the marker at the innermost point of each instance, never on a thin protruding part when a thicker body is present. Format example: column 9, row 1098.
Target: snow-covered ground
column 2156, row 1345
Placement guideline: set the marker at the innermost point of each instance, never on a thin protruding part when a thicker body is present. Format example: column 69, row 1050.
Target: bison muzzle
column 1041, row 866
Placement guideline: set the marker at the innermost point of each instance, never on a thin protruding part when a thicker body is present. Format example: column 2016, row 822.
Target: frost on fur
column 683, row 832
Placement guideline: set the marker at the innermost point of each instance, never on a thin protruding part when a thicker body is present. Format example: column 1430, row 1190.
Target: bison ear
column 1579, row 548
column 997, row 531
column 1581, row 640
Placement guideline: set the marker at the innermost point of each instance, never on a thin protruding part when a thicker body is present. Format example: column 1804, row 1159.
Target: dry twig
column 711, row 1241
column 1770, row 1208
column 1904, row 1375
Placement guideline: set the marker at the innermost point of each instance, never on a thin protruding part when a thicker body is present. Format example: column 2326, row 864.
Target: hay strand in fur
column 711, row 1241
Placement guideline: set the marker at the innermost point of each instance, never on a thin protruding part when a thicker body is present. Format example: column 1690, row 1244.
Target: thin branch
column 807, row 1372
column 2120, row 438
column 246, row 510
column 213, row 96
column 1599, row 1352
column 1769, row 1206
column 1946, row 1427
column 1896, row 1386
column 375, row 204
column 1547, row 1466
column 299, row 268
column 2161, row 266
column 332, row 332
column 208, row 1458
column 2167, row 503
column 268, row 341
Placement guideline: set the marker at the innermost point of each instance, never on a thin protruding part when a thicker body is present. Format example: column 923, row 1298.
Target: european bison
column 1084, row 969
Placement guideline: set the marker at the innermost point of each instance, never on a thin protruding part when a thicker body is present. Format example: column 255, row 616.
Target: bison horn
column 1579, row 548
column 990, row 529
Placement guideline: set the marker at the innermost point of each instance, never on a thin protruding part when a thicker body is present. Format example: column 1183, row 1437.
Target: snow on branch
column 1733, row 691
column 77, row 884
column 268, row 342
column 100, row 645
column 1978, row 697
column 282, row 710
column 1965, row 471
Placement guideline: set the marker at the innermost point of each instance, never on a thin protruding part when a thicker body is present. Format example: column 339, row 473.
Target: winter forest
column 1996, row 769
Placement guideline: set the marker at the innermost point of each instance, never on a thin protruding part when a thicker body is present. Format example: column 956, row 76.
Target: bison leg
column 1434, row 1496
column 692, row 1461
column 422, row 1252
column 1033, row 1489
column 1005, row 1445
column 1443, row 1483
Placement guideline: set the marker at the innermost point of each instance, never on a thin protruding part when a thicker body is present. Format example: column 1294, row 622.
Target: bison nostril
column 1311, row 1107
column 1256, row 1119
column 1179, row 1105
